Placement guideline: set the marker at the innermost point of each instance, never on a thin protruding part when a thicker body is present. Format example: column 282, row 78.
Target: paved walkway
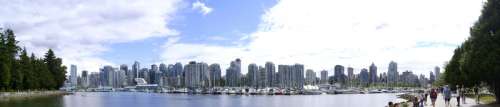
column 453, row 102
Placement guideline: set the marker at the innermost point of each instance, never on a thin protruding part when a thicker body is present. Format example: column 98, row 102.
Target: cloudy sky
column 417, row 34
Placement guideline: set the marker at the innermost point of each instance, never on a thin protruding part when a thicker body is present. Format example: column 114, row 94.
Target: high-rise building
column 262, row 81
column 291, row 76
column 271, row 72
column 107, row 76
column 310, row 77
column 350, row 73
column 205, row 78
column 324, row 77
column 73, row 76
column 253, row 75
column 373, row 74
column 392, row 74
column 178, row 71
column 192, row 75
column 85, row 79
column 233, row 74
column 364, row 76
column 136, row 67
column 432, row 77
column 215, row 74
column 154, row 74
column 339, row 76
column 438, row 73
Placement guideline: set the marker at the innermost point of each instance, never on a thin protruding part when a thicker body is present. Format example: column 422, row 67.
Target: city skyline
column 92, row 33
column 345, row 70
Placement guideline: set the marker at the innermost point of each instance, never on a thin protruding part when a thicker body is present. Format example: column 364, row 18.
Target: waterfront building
column 271, row 72
column 253, row 75
column 262, row 78
column 205, row 80
column 432, row 77
column 73, row 76
column 392, row 73
column 364, row 76
column 438, row 73
column 192, row 75
column 373, row 74
column 350, row 73
column 310, row 77
column 233, row 74
column 119, row 78
column 215, row 74
column 144, row 74
column 107, row 75
column 291, row 76
column 339, row 76
column 94, row 80
column 324, row 77
column 178, row 72
column 154, row 75
column 136, row 67
column 85, row 79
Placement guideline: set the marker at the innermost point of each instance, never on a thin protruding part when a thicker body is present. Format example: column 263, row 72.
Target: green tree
column 4, row 68
column 25, row 67
column 477, row 60
column 55, row 67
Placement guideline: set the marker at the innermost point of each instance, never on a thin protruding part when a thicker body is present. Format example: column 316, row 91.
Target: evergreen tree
column 4, row 68
column 25, row 68
column 12, row 49
column 55, row 67
column 477, row 60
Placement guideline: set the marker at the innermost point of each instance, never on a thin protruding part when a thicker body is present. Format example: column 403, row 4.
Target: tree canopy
column 18, row 71
column 477, row 60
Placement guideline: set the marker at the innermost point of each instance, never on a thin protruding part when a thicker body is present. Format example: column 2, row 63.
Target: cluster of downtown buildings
column 202, row 75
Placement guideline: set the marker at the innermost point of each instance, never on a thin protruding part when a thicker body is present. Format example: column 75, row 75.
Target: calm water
column 129, row 99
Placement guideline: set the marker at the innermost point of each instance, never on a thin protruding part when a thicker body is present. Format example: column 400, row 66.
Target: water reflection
column 127, row 99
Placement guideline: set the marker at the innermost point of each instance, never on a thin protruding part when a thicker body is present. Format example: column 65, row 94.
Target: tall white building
column 392, row 74
column 73, row 76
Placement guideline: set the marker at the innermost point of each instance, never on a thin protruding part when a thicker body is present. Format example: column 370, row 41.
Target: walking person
column 462, row 94
column 415, row 101
column 426, row 93
column 476, row 91
column 447, row 95
column 458, row 95
column 433, row 97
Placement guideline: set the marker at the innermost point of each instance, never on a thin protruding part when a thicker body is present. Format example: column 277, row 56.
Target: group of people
column 420, row 99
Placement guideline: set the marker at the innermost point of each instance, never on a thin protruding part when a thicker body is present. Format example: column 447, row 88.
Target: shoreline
column 7, row 96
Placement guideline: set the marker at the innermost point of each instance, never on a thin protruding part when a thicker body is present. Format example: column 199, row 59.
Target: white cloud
column 79, row 31
column 323, row 33
column 204, row 9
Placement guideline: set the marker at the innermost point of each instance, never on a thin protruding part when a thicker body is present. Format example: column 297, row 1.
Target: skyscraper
column 339, row 75
column 192, row 75
column 85, row 79
column 364, row 76
column 373, row 74
column 233, row 73
column 350, row 73
column 263, row 81
column 205, row 78
column 73, row 76
column 215, row 74
column 253, row 75
column 324, row 77
column 438, row 73
column 310, row 77
column 179, row 74
column 392, row 74
column 135, row 69
column 271, row 72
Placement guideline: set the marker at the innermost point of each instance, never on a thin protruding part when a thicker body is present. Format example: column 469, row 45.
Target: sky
column 417, row 34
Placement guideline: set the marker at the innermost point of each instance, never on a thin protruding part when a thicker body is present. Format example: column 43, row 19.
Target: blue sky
column 317, row 33
column 220, row 27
